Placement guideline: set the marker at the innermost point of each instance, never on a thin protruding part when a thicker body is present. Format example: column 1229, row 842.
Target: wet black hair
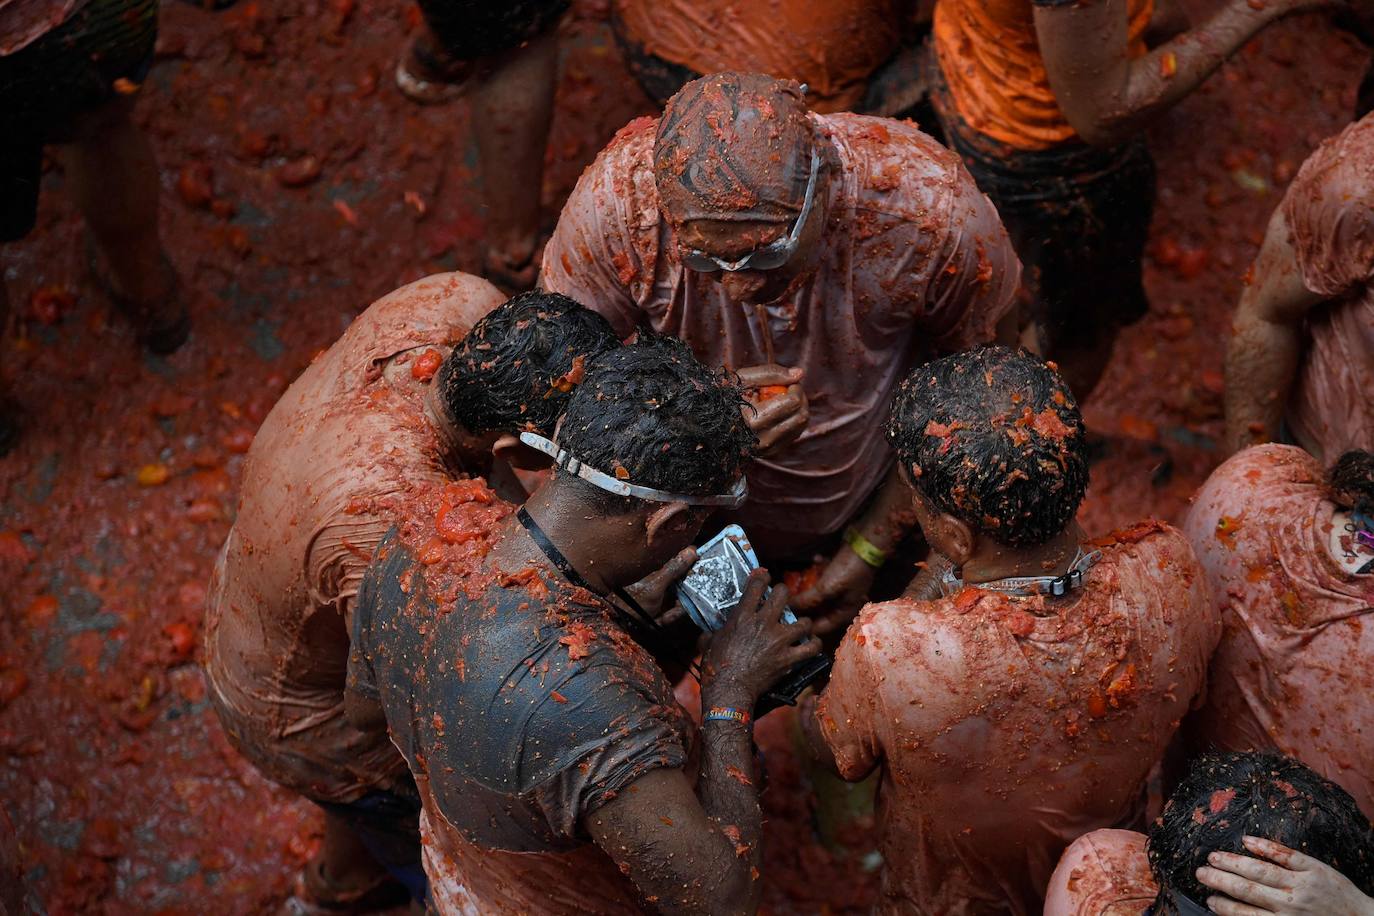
column 509, row 372
column 993, row 436
column 653, row 415
column 1226, row 796
column 1350, row 481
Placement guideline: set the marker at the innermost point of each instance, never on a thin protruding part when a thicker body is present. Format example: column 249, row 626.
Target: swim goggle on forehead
column 770, row 256
column 603, row 481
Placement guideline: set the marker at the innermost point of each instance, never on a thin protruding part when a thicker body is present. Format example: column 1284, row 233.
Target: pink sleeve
column 976, row 273
column 1240, row 486
column 849, row 708
column 1330, row 212
column 1099, row 871
column 591, row 256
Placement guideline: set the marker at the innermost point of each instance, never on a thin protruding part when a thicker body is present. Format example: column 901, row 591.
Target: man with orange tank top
column 1045, row 100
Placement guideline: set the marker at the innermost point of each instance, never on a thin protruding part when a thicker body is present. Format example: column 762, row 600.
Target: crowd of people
column 451, row 609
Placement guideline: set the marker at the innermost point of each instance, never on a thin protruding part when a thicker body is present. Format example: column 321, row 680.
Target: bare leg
column 512, row 110
column 344, row 871
column 112, row 172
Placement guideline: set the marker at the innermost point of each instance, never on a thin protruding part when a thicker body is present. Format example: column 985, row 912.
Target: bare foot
column 160, row 317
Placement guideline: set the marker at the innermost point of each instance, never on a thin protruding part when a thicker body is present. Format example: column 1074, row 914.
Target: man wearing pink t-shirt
column 1289, row 555
column 822, row 257
column 1302, row 356
column 1027, row 704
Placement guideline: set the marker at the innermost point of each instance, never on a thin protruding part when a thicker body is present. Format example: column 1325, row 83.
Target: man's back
column 521, row 707
column 1006, row 727
column 346, row 436
column 1291, row 670
column 913, row 260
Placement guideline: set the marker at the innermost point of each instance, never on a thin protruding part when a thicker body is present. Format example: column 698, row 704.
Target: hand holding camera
column 756, row 648
column 723, row 593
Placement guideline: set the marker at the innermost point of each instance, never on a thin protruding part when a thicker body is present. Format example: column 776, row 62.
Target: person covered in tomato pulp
column 427, row 385
column 1243, row 833
column 819, row 256
column 531, row 693
column 1020, row 693
column 1288, row 548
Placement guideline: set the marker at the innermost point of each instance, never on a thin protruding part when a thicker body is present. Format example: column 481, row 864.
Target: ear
column 668, row 520
column 512, row 451
column 904, row 474
column 955, row 538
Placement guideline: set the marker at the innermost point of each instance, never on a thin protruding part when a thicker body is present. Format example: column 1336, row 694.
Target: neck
column 583, row 538
column 991, row 561
column 442, row 423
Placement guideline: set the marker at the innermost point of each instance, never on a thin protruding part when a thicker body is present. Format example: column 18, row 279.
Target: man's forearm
column 727, row 785
column 1261, row 364
column 889, row 517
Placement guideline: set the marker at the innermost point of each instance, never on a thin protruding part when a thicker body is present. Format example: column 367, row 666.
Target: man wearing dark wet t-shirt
column 520, row 682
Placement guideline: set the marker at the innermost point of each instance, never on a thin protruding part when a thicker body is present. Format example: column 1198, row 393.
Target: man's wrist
column 865, row 549
column 730, row 715
column 727, row 694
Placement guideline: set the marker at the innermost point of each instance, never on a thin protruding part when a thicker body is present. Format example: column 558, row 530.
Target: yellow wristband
column 866, row 550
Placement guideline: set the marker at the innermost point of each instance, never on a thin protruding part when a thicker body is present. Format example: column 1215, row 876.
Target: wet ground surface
column 123, row 794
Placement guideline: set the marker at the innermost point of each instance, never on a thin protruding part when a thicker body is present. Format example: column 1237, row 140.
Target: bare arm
column 1266, row 343
column 815, row 738
column 1109, row 97
column 698, row 853
column 843, row 587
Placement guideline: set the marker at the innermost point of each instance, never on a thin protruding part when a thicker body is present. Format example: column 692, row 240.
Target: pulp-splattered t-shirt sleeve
column 1103, row 873
column 851, row 707
column 591, row 256
column 976, row 270
column 525, row 707
column 1330, row 213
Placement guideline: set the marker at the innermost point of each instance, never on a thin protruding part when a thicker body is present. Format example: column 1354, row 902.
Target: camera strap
column 640, row 618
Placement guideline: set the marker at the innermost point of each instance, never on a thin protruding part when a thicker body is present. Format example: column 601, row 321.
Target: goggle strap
column 603, row 481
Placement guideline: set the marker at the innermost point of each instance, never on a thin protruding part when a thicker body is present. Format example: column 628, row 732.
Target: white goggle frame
column 573, row 465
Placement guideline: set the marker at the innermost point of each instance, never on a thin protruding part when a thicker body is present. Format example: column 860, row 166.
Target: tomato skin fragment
column 426, row 365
